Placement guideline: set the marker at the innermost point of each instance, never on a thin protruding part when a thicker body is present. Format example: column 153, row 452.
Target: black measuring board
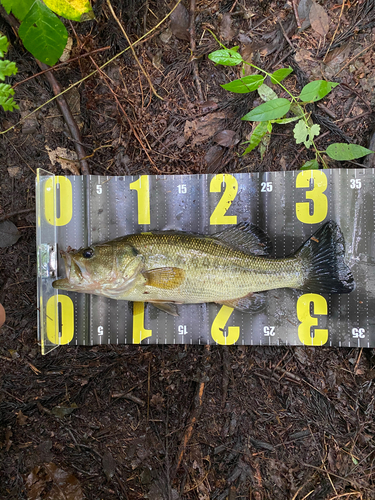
column 77, row 211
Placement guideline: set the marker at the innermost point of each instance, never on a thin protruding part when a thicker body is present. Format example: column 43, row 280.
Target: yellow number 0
column 142, row 186
column 50, row 200
column 320, row 202
column 231, row 187
column 67, row 319
column 317, row 336
column 139, row 331
column 218, row 325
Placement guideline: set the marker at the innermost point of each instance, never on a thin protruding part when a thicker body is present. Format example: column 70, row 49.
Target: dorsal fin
column 246, row 237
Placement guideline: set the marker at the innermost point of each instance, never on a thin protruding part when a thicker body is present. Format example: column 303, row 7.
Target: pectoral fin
column 166, row 278
column 251, row 303
column 166, row 307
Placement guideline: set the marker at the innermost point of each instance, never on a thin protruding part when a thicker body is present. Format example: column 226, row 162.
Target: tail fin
column 323, row 258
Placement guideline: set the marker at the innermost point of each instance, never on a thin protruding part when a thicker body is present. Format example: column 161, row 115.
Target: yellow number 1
column 142, row 186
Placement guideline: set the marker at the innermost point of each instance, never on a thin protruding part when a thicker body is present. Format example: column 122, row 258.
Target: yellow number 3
column 320, row 202
column 307, row 334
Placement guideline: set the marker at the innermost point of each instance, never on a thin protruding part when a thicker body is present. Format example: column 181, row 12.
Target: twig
column 295, row 10
column 69, row 119
column 142, row 39
column 195, row 414
column 18, row 212
column 127, row 118
column 57, row 66
column 355, row 57
column 132, row 49
column 284, row 33
column 192, row 49
column 63, row 105
column 336, row 30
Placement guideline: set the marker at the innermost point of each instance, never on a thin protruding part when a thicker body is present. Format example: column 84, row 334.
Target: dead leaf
column 213, row 158
column 203, row 128
column 226, row 29
column 65, row 486
column 62, row 411
column 21, row 418
column 9, row 234
column 180, row 22
column 64, row 157
column 319, row 19
column 226, row 138
column 109, row 465
column 304, row 8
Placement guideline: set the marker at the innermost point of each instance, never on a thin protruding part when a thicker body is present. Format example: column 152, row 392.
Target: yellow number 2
column 231, row 187
column 142, row 186
column 218, row 325
column 306, row 333
column 320, row 202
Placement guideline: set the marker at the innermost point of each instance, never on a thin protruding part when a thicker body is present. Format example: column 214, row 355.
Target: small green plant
column 41, row 31
column 7, row 68
column 275, row 109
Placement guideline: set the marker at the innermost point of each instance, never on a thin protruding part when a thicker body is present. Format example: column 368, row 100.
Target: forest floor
column 189, row 422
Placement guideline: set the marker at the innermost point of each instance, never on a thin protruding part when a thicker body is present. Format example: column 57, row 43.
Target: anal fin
column 251, row 303
column 167, row 307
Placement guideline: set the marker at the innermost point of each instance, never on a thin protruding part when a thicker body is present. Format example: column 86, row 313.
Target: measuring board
column 77, row 211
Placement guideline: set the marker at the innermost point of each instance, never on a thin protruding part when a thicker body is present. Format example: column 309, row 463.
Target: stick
column 192, row 48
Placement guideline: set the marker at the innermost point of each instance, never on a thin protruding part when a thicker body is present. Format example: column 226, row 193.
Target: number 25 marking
column 320, row 202
column 231, row 187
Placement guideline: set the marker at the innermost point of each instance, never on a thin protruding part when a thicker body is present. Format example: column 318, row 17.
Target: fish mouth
column 76, row 275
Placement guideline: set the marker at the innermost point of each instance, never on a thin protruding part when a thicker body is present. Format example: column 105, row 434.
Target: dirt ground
column 170, row 422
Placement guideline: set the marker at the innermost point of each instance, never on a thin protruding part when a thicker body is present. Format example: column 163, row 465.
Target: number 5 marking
column 231, row 187
column 307, row 335
column 320, row 202
column 218, row 325
column 142, row 186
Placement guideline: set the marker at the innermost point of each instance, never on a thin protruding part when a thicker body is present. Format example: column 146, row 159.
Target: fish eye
column 88, row 253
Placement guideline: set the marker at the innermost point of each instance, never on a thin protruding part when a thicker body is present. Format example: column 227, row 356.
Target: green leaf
column 279, row 75
column 287, row 120
column 245, row 84
column 4, row 44
column 270, row 110
column 7, row 68
column 6, row 101
column 226, row 57
column 19, row 8
column 76, row 10
column 43, row 34
column 310, row 165
column 341, row 151
column 266, row 93
column 300, row 132
column 260, row 131
column 314, row 91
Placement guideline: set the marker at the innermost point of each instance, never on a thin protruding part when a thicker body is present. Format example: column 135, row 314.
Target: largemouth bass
column 231, row 267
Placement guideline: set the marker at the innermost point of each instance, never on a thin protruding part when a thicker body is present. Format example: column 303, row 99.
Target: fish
column 232, row 267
